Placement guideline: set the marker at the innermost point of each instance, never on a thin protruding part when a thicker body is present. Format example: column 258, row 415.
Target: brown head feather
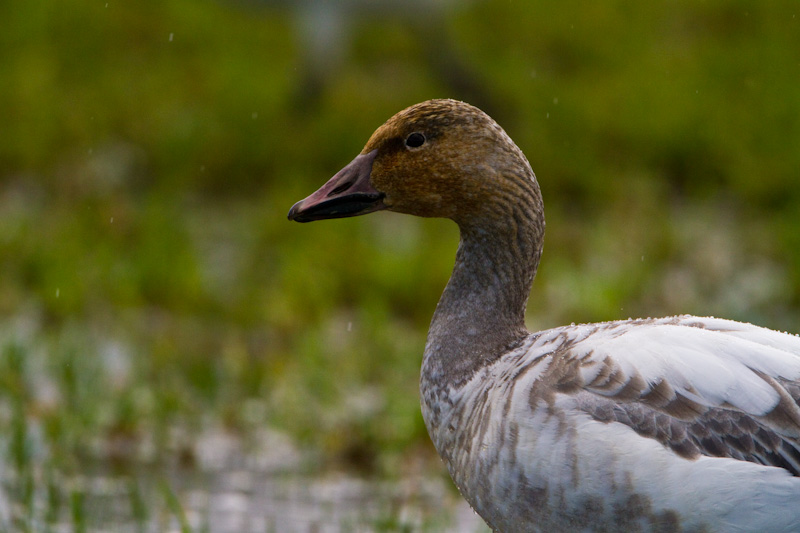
column 465, row 170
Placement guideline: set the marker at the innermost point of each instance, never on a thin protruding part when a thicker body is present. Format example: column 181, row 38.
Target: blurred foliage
column 152, row 149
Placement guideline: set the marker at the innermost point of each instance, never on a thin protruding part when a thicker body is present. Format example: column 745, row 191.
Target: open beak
column 349, row 193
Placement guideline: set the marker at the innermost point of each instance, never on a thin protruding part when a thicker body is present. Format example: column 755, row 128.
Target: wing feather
column 700, row 386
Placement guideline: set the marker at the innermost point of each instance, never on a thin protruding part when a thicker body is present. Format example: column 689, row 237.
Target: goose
column 682, row 423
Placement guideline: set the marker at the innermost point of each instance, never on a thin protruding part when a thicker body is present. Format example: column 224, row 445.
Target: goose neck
column 481, row 313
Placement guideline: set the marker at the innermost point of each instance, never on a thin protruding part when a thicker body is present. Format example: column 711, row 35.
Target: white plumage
column 532, row 444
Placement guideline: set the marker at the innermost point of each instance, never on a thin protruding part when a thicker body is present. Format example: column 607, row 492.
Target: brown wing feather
column 660, row 411
column 717, row 432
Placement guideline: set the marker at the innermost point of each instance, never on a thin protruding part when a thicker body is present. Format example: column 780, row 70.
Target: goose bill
column 347, row 194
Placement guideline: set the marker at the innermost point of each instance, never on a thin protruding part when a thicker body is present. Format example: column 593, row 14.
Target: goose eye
column 415, row 140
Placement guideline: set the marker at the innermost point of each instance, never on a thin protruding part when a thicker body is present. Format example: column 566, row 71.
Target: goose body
column 683, row 423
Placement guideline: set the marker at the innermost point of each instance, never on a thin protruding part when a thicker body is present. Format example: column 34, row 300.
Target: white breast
column 527, row 455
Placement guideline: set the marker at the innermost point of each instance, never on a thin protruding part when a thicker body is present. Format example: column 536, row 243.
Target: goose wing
column 700, row 386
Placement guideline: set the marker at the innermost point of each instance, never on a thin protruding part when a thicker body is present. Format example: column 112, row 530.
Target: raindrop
column 171, row 35
column 58, row 293
column 255, row 115
column 349, row 326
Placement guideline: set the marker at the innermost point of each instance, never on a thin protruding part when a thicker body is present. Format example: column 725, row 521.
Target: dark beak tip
column 292, row 212
column 295, row 213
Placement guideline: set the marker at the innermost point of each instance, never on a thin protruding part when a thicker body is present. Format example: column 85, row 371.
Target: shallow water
column 241, row 502
column 227, row 491
column 187, row 476
column 237, row 501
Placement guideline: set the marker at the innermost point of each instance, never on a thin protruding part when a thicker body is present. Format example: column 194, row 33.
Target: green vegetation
column 151, row 288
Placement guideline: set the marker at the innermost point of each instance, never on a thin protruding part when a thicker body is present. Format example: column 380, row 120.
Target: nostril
column 341, row 188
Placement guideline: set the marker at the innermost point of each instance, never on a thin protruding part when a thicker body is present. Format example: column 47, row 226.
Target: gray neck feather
column 481, row 313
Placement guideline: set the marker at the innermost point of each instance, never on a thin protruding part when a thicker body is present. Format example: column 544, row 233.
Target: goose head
column 439, row 158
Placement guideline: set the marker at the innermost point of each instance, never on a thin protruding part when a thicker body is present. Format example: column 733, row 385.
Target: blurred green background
column 152, row 288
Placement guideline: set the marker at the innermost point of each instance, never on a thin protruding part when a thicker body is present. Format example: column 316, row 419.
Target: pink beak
column 347, row 194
